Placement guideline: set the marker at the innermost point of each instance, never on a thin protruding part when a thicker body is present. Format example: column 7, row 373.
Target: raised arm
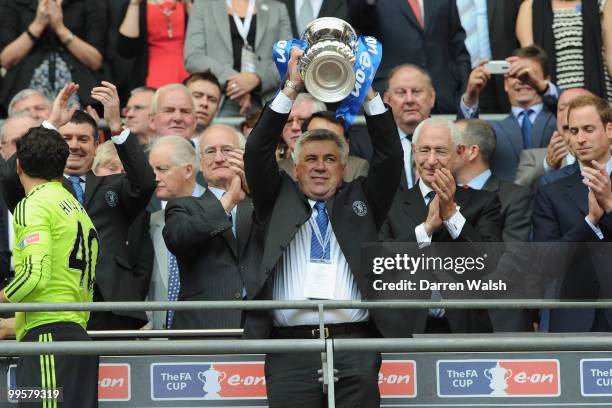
column 387, row 163
column 139, row 184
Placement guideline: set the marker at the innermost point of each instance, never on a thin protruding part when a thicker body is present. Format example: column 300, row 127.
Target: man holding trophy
column 314, row 227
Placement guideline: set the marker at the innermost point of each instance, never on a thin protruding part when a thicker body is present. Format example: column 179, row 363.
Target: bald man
column 213, row 236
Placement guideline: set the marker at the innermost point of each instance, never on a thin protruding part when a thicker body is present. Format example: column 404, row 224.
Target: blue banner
column 368, row 56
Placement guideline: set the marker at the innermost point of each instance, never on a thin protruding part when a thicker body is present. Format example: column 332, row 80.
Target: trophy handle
column 509, row 374
column 487, row 373
column 202, row 377
column 222, row 376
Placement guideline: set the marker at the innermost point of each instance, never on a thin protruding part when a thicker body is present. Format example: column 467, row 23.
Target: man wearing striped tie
column 313, row 232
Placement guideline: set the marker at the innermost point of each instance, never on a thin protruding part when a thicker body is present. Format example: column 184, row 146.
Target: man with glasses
column 137, row 113
column 213, row 236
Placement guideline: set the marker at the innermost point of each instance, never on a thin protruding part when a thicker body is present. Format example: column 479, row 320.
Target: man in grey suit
column 213, row 236
column 536, row 162
column 528, row 88
column 355, row 166
column 175, row 164
column 472, row 170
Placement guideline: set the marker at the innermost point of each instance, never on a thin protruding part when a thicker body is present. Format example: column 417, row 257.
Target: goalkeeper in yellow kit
column 55, row 253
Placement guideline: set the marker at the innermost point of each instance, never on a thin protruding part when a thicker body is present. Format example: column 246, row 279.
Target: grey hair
column 321, row 134
column 17, row 115
column 239, row 135
column 480, row 133
column 182, row 152
column 438, row 123
column 317, row 105
column 23, row 94
column 142, row 89
column 168, row 88
column 105, row 153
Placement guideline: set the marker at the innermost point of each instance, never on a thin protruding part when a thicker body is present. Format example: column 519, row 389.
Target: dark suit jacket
column 516, row 207
column 439, row 48
column 329, row 8
column 509, row 138
column 112, row 202
column 282, row 209
column 481, row 210
column 211, row 261
column 558, row 216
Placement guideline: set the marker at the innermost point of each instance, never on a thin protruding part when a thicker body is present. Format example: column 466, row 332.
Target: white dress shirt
column 454, row 225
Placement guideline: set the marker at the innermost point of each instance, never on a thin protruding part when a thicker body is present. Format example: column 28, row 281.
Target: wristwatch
column 293, row 86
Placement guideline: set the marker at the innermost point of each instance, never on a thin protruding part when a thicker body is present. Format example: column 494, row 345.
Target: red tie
column 416, row 9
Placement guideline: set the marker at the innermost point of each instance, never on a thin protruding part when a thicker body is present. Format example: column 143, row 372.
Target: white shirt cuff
column 48, row 125
column 595, row 228
column 281, row 104
column 422, row 238
column 552, row 90
column 121, row 137
column 375, row 106
column 547, row 168
column 467, row 111
column 455, row 224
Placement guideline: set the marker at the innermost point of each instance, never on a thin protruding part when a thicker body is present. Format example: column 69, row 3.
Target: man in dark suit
column 436, row 210
column 301, row 12
column 526, row 85
column 577, row 209
column 473, row 170
column 112, row 202
column 355, row 166
column 424, row 33
column 314, row 230
column 213, row 236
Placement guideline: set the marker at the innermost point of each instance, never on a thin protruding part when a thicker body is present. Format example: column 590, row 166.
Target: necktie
column 430, row 196
column 305, row 16
column 322, row 221
column 526, row 128
column 416, row 9
column 174, row 286
column 76, row 186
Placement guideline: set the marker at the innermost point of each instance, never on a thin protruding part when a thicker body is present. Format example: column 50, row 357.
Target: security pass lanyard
column 322, row 242
column 243, row 29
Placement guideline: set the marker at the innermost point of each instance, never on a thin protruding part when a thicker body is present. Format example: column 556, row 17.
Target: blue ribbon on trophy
column 368, row 54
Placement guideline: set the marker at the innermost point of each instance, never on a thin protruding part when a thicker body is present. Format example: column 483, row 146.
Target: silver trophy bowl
column 327, row 64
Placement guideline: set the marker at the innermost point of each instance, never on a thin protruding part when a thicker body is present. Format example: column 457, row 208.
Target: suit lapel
column 263, row 15
column 228, row 235
column 429, row 11
column 415, row 205
column 244, row 219
column 491, row 4
column 328, row 8
column 161, row 252
column 407, row 10
column 577, row 192
column 221, row 19
column 91, row 185
column 514, row 134
column 539, row 125
column 492, row 184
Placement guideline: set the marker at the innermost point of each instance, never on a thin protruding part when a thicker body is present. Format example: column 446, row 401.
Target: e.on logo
column 397, row 379
column 114, row 382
